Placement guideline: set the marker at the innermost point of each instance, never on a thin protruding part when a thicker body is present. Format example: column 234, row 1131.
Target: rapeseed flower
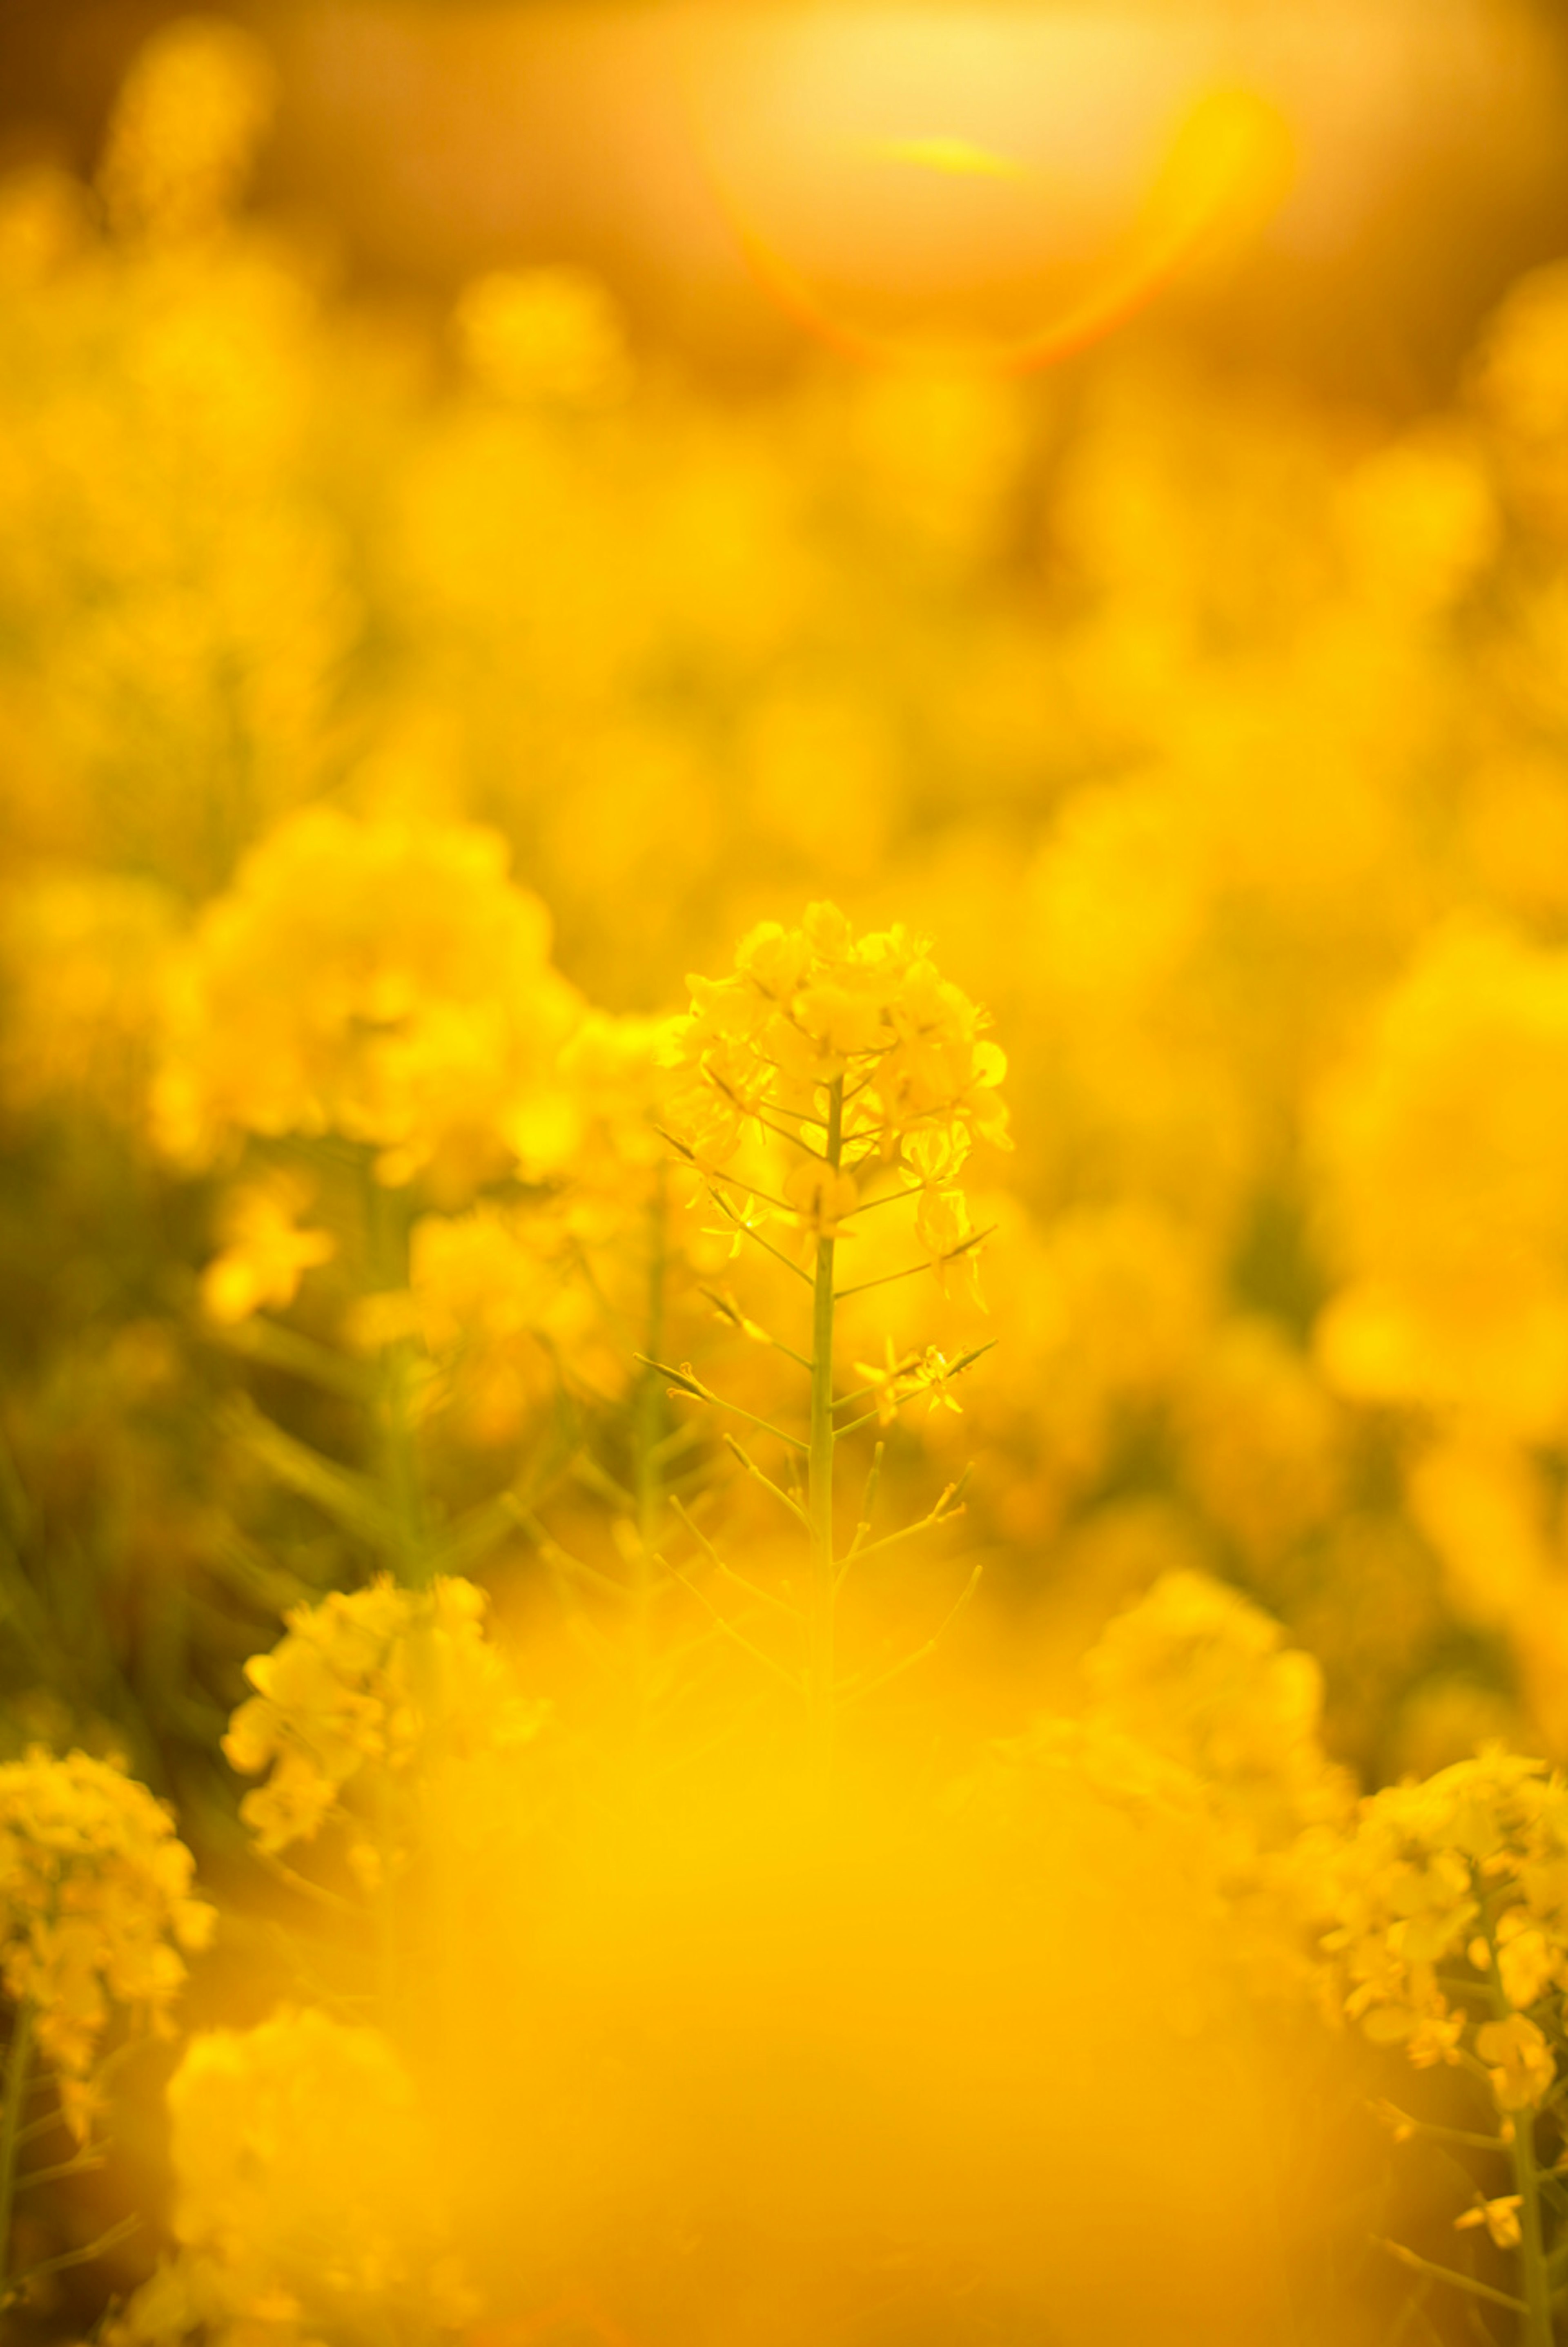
column 810, row 1009
column 308, row 2199
column 380, row 1686
column 96, row 1911
column 381, row 981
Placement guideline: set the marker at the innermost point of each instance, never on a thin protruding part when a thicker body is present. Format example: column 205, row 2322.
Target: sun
column 995, row 189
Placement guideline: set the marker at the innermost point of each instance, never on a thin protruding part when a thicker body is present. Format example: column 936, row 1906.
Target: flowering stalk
column 95, row 1912
column 1535, row 2329
column 360, row 1701
column 1451, row 1891
column 17, row 2062
column 647, row 1434
column 823, row 1443
column 387, row 1217
column 869, row 1069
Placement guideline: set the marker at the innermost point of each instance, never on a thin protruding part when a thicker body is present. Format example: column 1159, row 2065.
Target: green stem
column 387, row 1212
column 819, row 1474
column 1535, row 2328
column 388, row 1922
column 648, row 1436
column 16, row 2094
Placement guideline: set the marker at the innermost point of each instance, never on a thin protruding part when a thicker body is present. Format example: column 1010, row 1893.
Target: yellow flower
column 752, row 1216
column 267, row 1252
column 1499, row 2217
column 1199, row 1673
column 382, row 980
column 1519, row 2060
column 384, row 1680
column 188, row 119
column 891, row 1383
column 944, row 1228
column 82, row 953
column 1527, row 1963
column 1436, row 2037
column 543, row 335
column 932, row 1373
column 1446, row 1147
column 95, row 1908
column 812, row 1013
column 307, row 2192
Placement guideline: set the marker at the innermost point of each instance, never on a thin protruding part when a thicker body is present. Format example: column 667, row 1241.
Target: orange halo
column 1230, row 157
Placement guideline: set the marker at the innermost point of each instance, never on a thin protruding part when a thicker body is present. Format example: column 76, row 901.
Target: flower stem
column 647, row 1436
column 819, row 1475
column 387, row 1213
column 15, row 2091
column 1535, row 2326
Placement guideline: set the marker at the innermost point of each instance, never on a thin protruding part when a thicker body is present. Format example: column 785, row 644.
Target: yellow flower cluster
column 95, row 1909
column 1453, row 1887
column 81, row 956
column 189, row 120
column 307, row 2201
column 266, row 1250
column 1202, row 1721
column 1201, row 1675
column 381, row 980
column 376, row 1687
column 1447, row 1148
column 546, row 334
column 858, row 1042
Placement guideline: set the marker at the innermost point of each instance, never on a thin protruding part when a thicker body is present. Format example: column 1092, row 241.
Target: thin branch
column 711, row 1173
column 947, row 1511
column 780, row 1131
column 593, row 1641
column 758, row 1653
column 853, row 1689
column 914, row 1269
column 1394, row 2119
column 316, row 1892
column 796, row 1509
column 674, row 1444
column 729, row 1311
column 1446, row 2274
column 683, row 1381
column 585, row 1470
column 735, row 1182
column 84, row 2161
column 47, row 2125
column 81, row 2256
column 911, row 1361
column 596, row 1287
column 561, row 1560
column 339, row 1491
column 764, row 1596
column 278, row 1347
column 867, row 1504
column 888, row 1198
column 745, row 1231
column 1413, row 2310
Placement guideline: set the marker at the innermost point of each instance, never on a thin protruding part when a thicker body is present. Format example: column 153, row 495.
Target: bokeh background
column 1090, row 482
column 421, row 144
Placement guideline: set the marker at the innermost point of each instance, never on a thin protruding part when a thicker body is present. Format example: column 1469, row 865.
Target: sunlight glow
column 996, row 187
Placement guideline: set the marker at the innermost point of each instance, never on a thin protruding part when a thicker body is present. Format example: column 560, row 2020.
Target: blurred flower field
column 784, row 1378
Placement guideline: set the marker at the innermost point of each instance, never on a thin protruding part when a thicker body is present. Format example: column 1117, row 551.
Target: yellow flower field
column 605, row 1742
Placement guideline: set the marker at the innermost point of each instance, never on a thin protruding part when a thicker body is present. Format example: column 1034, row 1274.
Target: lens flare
column 988, row 190
column 1227, row 161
